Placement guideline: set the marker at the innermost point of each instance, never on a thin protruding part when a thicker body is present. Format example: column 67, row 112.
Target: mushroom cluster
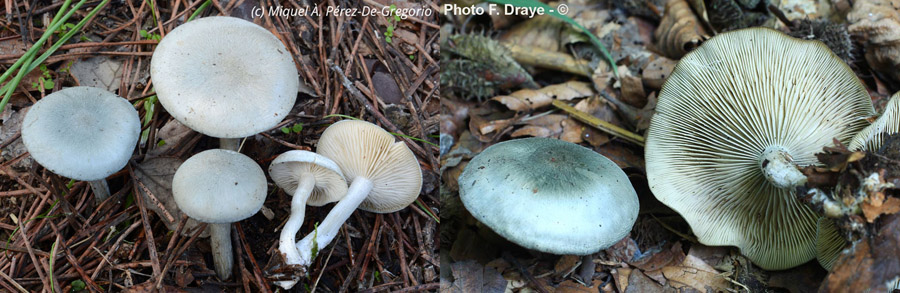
column 83, row 133
column 734, row 121
column 585, row 201
column 384, row 177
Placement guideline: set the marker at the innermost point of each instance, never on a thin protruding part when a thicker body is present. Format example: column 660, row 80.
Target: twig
column 600, row 124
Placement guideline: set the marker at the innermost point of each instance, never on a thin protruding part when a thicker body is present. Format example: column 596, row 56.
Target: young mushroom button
column 219, row 187
column 385, row 176
column 549, row 195
column 311, row 179
column 735, row 119
column 224, row 77
column 83, row 133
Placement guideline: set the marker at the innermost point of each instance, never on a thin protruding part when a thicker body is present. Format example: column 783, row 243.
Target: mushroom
column 385, row 176
column 872, row 137
column 83, row 133
column 219, row 187
column 311, row 179
column 224, row 77
column 549, row 195
column 735, row 119
column 829, row 242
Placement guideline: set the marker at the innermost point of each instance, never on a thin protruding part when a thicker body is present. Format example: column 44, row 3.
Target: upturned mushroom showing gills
column 735, row 119
column 219, row 187
column 384, row 176
column 224, row 77
column 549, row 195
column 83, row 133
column 311, row 179
column 872, row 137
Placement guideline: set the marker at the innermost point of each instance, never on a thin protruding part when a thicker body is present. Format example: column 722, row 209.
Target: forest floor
column 56, row 239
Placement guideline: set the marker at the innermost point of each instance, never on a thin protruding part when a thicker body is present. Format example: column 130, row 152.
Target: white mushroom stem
column 101, row 190
column 779, row 168
column 220, row 241
column 328, row 229
column 298, row 209
column 231, row 144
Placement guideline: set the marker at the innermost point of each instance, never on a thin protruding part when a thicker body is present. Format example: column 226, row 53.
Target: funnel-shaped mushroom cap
column 872, row 137
column 550, row 195
column 219, row 186
column 287, row 168
column 738, row 95
column 224, row 77
column 83, row 133
column 363, row 149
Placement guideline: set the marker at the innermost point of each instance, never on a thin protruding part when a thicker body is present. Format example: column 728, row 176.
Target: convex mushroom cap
column 734, row 120
column 550, row 195
column 83, row 133
column 219, row 187
column 224, row 77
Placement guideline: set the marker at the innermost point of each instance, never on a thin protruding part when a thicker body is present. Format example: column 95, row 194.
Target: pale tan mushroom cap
column 224, row 77
column 83, row 133
column 726, row 102
column 330, row 186
column 872, row 137
column 363, row 149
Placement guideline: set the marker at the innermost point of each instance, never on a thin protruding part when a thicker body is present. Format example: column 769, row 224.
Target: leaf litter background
column 537, row 67
column 144, row 243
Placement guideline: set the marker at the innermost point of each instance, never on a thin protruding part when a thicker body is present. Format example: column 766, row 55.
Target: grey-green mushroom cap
column 549, row 195
column 224, row 77
column 83, row 133
column 219, row 186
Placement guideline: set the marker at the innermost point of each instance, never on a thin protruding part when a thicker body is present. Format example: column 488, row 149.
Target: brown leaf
column 871, row 263
column 679, row 30
column 542, row 126
column 696, row 278
column 652, row 265
column 175, row 135
column 570, row 286
column 156, row 174
column 566, row 264
column 469, row 276
column 873, row 210
column 638, row 282
column 633, row 91
column 656, row 72
column 529, row 99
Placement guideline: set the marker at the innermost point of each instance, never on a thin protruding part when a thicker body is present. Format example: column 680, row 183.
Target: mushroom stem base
column 289, row 233
column 101, row 190
column 778, row 167
column 220, row 241
column 231, row 144
column 328, row 229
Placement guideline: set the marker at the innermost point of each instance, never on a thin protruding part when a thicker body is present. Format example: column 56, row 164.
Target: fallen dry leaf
column 638, row 283
column 529, row 99
column 652, row 265
column 469, row 276
column 872, row 262
column 679, row 31
column 656, row 72
column 872, row 210
column 156, row 175
column 542, row 126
